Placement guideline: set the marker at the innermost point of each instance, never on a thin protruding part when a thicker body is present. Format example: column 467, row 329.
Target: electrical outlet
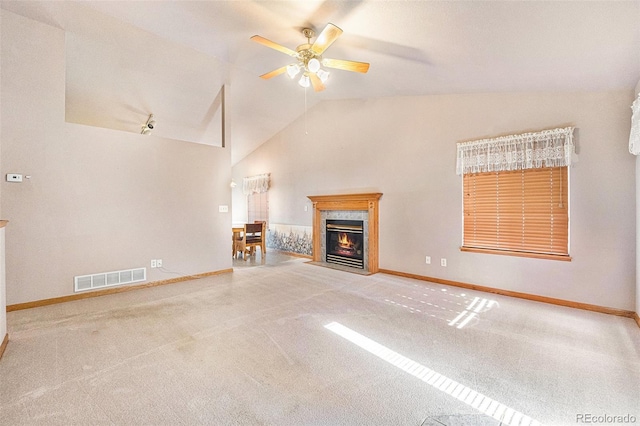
column 159, row 263
column 223, row 209
column 154, row 263
column 427, row 260
column 443, row 262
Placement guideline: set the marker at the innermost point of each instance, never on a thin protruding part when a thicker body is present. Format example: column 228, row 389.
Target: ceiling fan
column 309, row 58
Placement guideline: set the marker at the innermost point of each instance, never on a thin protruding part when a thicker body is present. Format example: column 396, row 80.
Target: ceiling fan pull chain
column 306, row 132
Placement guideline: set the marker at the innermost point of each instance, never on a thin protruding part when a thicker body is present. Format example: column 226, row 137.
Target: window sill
column 564, row 258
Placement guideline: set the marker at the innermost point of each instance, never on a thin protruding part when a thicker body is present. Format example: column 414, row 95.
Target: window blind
column 519, row 211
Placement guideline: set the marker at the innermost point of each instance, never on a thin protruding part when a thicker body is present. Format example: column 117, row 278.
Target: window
column 517, row 212
column 256, row 189
column 515, row 194
column 258, row 207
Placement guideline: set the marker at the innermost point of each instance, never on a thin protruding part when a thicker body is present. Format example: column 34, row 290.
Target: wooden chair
column 247, row 238
column 254, row 236
column 264, row 232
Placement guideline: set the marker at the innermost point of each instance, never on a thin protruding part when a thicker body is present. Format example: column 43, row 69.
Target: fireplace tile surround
column 362, row 207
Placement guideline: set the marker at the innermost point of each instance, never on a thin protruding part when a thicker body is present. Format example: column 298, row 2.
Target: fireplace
column 345, row 231
column 345, row 243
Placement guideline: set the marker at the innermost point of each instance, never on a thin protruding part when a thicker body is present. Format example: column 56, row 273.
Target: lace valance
column 634, row 137
column 253, row 184
column 548, row 148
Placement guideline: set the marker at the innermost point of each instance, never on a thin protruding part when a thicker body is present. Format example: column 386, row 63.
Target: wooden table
column 237, row 231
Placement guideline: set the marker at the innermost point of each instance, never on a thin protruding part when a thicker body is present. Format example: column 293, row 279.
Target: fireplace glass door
column 345, row 243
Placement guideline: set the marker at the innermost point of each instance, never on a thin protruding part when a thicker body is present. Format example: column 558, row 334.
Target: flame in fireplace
column 344, row 241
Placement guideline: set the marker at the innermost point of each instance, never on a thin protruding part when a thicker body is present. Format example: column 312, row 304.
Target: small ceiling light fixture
column 323, row 74
column 293, row 70
column 304, row 80
column 313, row 65
column 149, row 125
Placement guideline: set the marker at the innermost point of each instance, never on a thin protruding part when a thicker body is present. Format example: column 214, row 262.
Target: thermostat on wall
column 13, row 177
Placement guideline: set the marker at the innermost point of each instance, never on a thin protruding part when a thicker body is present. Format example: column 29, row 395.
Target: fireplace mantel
column 359, row 202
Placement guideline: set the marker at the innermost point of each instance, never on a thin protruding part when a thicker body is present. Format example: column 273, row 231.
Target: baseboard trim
column 637, row 318
column 527, row 296
column 114, row 290
column 290, row 253
column 4, row 344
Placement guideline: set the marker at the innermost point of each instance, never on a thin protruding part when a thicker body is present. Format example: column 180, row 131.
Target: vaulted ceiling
column 127, row 59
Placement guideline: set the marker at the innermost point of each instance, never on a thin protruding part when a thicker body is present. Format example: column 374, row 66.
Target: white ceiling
column 126, row 59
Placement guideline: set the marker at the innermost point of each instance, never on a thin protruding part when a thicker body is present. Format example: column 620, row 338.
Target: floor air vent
column 109, row 279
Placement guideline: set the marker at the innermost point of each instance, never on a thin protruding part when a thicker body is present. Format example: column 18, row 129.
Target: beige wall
column 3, row 293
column 637, row 92
column 98, row 200
column 3, row 298
column 405, row 148
column 637, row 181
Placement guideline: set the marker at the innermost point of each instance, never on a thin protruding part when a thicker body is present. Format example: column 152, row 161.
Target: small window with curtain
column 515, row 194
column 258, row 207
column 256, row 189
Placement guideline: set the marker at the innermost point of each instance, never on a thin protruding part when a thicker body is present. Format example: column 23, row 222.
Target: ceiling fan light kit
column 309, row 58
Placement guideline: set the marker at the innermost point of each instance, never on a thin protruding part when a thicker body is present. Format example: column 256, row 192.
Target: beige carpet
column 283, row 342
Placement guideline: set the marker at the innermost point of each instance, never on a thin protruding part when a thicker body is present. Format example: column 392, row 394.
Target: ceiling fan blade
column 274, row 73
column 273, row 45
column 341, row 64
column 315, row 82
column 326, row 38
